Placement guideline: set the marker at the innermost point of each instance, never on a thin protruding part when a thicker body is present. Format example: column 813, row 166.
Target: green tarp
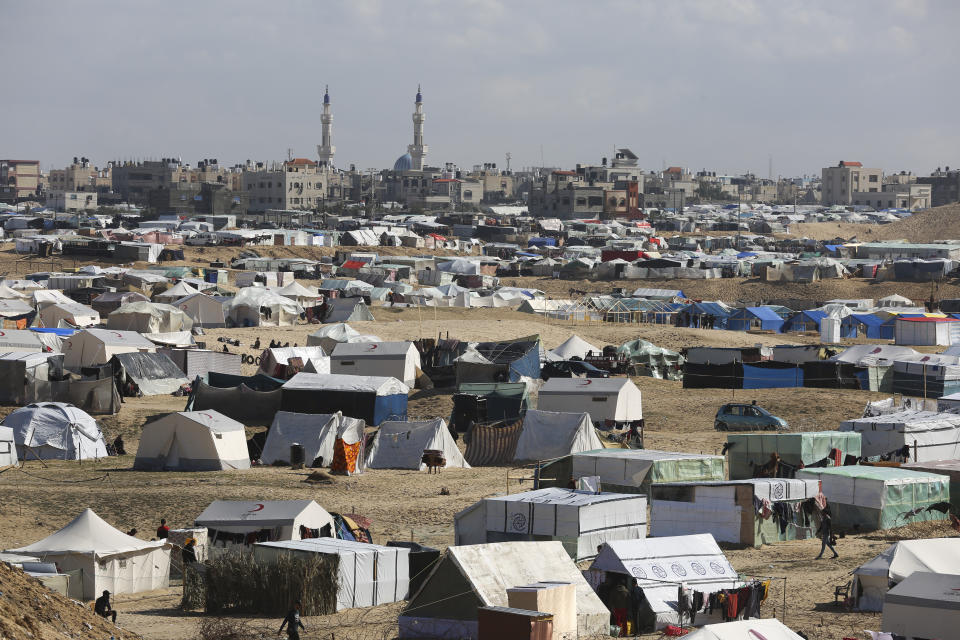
column 794, row 449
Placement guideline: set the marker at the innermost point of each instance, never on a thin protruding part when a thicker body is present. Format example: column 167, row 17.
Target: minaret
column 326, row 149
column 418, row 150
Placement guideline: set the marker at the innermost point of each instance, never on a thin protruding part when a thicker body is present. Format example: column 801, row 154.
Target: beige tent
column 96, row 346
column 68, row 315
column 149, row 317
column 192, row 441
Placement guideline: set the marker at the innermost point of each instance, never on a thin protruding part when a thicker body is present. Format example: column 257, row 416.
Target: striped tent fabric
column 493, row 444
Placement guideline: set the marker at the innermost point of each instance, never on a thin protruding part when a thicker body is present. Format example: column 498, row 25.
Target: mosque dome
column 403, row 163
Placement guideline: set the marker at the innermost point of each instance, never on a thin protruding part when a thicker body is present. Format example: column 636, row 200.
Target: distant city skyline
column 702, row 84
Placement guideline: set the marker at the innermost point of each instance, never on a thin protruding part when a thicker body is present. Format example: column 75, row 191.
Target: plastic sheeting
column 55, row 431
column 316, row 433
column 928, row 434
column 153, row 373
column 400, row 445
column 747, row 450
column 241, row 402
column 634, row 470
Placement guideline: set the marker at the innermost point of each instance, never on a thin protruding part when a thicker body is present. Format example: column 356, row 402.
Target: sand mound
column 932, row 225
column 30, row 610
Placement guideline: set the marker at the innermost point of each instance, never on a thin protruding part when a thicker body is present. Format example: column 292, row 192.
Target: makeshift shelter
column 949, row 468
column 574, row 347
column 580, row 520
column 275, row 362
column 482, row 402
column 754, row 319
column 919, row 436
column 25, row 340
column 725, row 509
column 866, row 325
column 550, row 434
column 926, row 375
column 205, row 311
column 924, row 605
column 25, row 377
column 55, row 431
column 499, row 361
column 195, row 362
column 108, row 559
column 401, row 445
column 152, row 374
column 110, row 301
column 804, row 322
column 8, row 447
column 746, row 451
column 329, row 336
column 367, row 575
column 251, row 400
column 73, row 314
column 192, row 441
column 492, row 444
column 346, row 310
column 149, row 317
column 766, row 628
column 927, row 331
column 328, row 440
column 43, row 297
column 647, row 359
column 176, row 292
column 257, row 306
column 474, row 576
column 869, row 498
column 399, row 360
column 609, row 401
column 661, row 565
column 372, row 399
column 874, row 578
column 235, row 523
column 631, row 470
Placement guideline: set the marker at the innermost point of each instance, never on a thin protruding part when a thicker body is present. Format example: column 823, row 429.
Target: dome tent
column 55, row 431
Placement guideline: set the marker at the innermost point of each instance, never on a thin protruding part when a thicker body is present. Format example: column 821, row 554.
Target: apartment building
column 296, row 184
column 839, row 183
column 19, row 179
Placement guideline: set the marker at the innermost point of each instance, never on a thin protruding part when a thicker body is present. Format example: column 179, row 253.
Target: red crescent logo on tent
column 3, row 333
column 118, row 334
column 372, row 347
column 206, row 415
column 586, row 382
column 259, row 507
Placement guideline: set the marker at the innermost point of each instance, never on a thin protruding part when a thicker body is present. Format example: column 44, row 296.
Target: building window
column 873, row 177
column 581, row 202
column 468, row 195
column 595, row 201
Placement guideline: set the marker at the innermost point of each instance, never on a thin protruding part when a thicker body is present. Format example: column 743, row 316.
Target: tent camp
column 372, row 399
column 473, row 576
column 229, row 522
column 398, row 360
column 152, row 374
column 257, row 306
column 55, row 431
column 205, row 311
column 725, row 509
column 108, row 559
column 339, row 310
column 149, row 317
column 8, row 447
column 927, row 434
column 304, row 296
column 329, row 336
column 25, row 340
column 631, row 470
column 96, row 346
column 43, row 297
column 661, row 565
column 367, row 574
column 192, row 441
column 745, row 451
column 401, row 445
column 499, row 361
column 766, row 628
column 73, row 314
column 925, row 605
column 25, row 377
column 334, row 440
column 581, row 520
column 551, row 434
column 880, row 497
column 574, row 347
column 874, row 578
column 274, row 362
column 609, row 401
column 176, row 292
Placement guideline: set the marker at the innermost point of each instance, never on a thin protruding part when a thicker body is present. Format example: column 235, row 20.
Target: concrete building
column 910, row 196
column 944, row 185
column 72, row 201
column 79, row 176
column 326, row 150
column 839, row 183
column 418, row 150
column 19, row 179
column 296, row 184
column 498, row 186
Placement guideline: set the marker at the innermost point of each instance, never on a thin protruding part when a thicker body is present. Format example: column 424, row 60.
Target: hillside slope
column 932, row 225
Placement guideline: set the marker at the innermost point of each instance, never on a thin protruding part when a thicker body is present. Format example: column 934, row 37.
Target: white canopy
column 574, row 346
column 400, row 445
column 549, row 434
column 605, row 399
column 930, row 435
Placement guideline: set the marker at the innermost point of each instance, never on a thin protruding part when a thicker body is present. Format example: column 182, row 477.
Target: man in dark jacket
column 826, row 535
column 293, row 623
column 103, row 609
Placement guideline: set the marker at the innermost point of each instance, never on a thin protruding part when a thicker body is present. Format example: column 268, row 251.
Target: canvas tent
column 400, row 445
column 274, row 362
column 96, row 346
column 581, row 520
column 250, row 306
column 473, row 576
column 149, row 317
column 108, row 559
column 574, row 347
column 153, row 374
column 192, row 441
column 607, row 400
column 26, row 340
column 745, row 451
column 372, row 399
column 204, row 310
column 367, row 574
column 399, row 360
column 73, row 314
column 927, row 434
column 55, row 431
column 229, row 522
column 329, row 336
column 8, row 447
column 766, row 628
column 633, row 470
column 176, row 292
column 550, row 434
column 339, row 310
column 880, row 497
column 925, row 605
column 660, row 565
column 331, row 438
column 874, row 578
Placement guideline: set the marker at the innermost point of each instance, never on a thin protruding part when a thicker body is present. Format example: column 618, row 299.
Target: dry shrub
column 226, row 629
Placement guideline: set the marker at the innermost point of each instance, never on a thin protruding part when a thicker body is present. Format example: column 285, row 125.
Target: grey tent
column 153, row 373
column 347, row 310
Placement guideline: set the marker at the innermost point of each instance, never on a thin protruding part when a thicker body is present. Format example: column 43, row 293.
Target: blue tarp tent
column 772, row 375
column 804, row 321
column 866, row 325
column 542, row 242
column 748, row 318
column 63, row 333
column 698, row 311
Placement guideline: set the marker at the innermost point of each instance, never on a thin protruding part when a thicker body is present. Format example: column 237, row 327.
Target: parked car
column 746, row 417
column 571, row 369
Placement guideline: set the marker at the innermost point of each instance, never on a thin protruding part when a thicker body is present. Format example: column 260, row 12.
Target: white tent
column 398, row 360
column 607, row 400
column 192, row 441
column 96, row 346
column 331, row 335
column 928, row 434
column 43, row 297
column 894, row 300
column 55, row 431
column 26, row 340
column 400, row 445
column 574, row 346
column 548, row 434
column 8, row 447
column 479, row 575
column 580, row 520
column 285, row 519
column 8, row 293
column 873, row 579
column 660, row 565
column 68, row 315
column 367, row 574
column 204, row 310
column 347, row 310
column 317, row 433
column 107, row 558
column 273, row 362
column 176, row 292
column 925, row 605
column 246, row 309
column 149, row 317
column 766, row 628
column 304, row 296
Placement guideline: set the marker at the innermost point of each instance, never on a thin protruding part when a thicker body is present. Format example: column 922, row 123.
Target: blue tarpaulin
column 866, row 325
column 63, row 333
column 542, row 242
column 772, row 377
column 804, row 321
column 748, row 318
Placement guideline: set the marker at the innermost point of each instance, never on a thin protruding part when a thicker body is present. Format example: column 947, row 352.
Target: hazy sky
column 700, row 83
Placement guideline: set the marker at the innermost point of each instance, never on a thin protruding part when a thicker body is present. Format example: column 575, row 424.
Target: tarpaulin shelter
column 469, row 577
column 927, row 331
column 746, row 451
column 949, row 468
column 550, row 434
column 372, row 399
column 874, row 578
column 647, row 359
column 880, row 497
column 258, row 306
column 753, row 318
column 926, row 375
column 500, row 400
column 866, row 325
column 176, row 292
column 194, row 362
column 401, row 445
column 24, row 377
column 108, row 559
column 699, row 312
column 804, row 322
column 499, row 361
column 607, row 400
column 149, row 317
column 927, row 435
column 69, row 315
column 192, row 441
column 924, row 605
column 329, row 336
column 346, row 310
column 274, row 362
column 153, row 373
column 55, row 431
column 771, row 375
column 632, row 470
column 492, row 444
column 251, row 401
column 321, row 436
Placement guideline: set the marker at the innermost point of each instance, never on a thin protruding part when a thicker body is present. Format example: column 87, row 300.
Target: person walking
column 293, row 623
column 826, row 535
